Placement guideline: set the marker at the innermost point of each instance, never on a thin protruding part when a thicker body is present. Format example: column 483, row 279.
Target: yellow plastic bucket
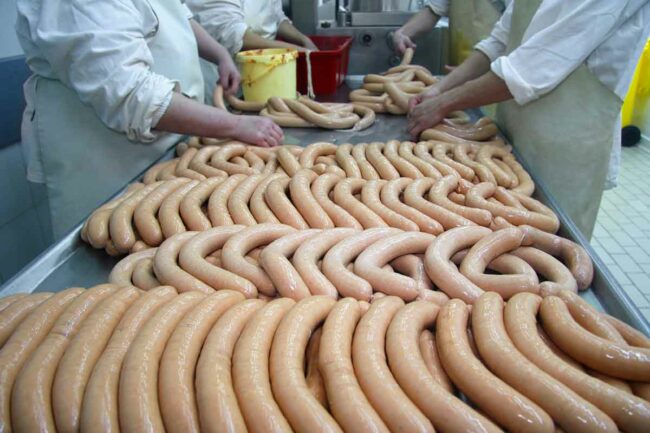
column 268, row 72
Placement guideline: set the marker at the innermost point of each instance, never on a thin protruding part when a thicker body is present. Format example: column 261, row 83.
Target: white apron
column 565, row 136
column 84, row 162
column 470, row 21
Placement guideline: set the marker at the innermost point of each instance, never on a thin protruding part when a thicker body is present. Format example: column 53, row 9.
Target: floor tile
column 604, row 255
column 622, row 238
column 641, row 280
column 611, row 246
column 636, row 296
column 620, row 276
column 639, row 256
column 626, row 263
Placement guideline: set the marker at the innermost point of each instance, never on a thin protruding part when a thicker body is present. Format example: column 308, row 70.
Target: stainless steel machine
column 370, row 23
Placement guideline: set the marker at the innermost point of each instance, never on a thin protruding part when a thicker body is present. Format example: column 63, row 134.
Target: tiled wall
column 25, row 228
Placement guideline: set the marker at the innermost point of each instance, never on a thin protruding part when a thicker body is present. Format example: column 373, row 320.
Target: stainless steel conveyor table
column 71, row 262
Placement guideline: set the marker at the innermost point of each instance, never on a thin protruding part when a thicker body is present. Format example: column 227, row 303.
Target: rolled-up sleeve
column 439, row 7
column 98, row 49
column 494, row 45
column 223, row 19
column 557, row 41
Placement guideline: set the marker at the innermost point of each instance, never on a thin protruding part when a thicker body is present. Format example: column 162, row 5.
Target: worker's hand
column 309, row 45
column 426, row 114
column 401, row 42
column 423, row 96
column 229, row 77
column 258, row 130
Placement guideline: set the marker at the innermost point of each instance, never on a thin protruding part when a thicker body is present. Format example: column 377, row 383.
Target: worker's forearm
column 419, row 23
column 485, row 90
column 473, row 67
column 186, row 116
column 254, row 41
column 209, row 48
column 289, row 33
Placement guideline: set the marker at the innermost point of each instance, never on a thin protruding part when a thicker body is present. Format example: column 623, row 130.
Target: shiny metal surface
column 385, row 5
column 72, row 262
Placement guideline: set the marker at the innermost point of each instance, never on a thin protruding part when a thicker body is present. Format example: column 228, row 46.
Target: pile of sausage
column 118, row 359
column 269, row 260
column 302, row 112
column 145, row 215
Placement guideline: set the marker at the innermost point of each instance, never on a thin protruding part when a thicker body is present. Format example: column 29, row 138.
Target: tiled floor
column 622, row 234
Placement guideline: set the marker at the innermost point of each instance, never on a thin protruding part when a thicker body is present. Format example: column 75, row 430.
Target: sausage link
column 346, row 161
column 240, row 244
column 558, row 277
column 629, row 334
column 381, row 164
column 191, row 207
column 613, row 359
column 121, row 274
column 31, row 399
column 143, row 275
column 303, row 411
column 313, row 375
column 220, row 159
column 313, row 249
column 343, row 253
column 144, row 217
column 216, row 400
column 80, row 357
column 275, row 261
column 574, row 255
column 258, row 207
column 497, row 351
column 413, row 197
column 182, row 168
column 321, row 189
column 250, row 371
column 505, row 405
column 169, row 215
column 10, row 299
column 406, row 151
column 423, row 150
column 139, row 409
column 95, row 229
column 368, row 264
column 100, row 401
column 390, row 196
column 485, row 156
column 288, row 161
column 193, row 260
column 368, row 172
column 13, row 315
column 218, row 212
column 443, row 272
column 168, row 271
column 348, row 404
column 309, row 155
column 485, row 251
column 443, row 151
column 121, row 224
column 284, row 210
column 431, row 358
column 402, row 165
column 238, row 200
column 370, row 196
column 439, row 192
column 303, row 199
column 630, row 413
column 461, row 154
column 200, row 162
column 375, row 378
column 344, row 192
column 178, row 362
column 24, row 341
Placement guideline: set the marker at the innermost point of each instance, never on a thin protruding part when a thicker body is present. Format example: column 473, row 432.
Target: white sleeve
column 439, row 7
column 494, row 45
column 558, row 40
column 223, row 20
column 98, row 49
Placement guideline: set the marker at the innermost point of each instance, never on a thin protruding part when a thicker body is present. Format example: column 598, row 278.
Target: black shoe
column 630, row 136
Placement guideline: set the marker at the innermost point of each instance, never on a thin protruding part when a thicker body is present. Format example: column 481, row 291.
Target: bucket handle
column 252, row 79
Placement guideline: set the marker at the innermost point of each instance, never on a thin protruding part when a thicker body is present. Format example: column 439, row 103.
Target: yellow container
column 638, row 96
column 268, row 72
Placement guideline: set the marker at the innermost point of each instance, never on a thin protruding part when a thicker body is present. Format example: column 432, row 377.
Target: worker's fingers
column 449, row 68
column 415, row 100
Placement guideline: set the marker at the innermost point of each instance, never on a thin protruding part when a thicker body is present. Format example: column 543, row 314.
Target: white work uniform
column 104, row 72
column 228, row 20
column 469, row 22
column 568, row 66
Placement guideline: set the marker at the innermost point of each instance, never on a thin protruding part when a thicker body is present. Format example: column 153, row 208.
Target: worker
column 470, row 21
column 249, row 24
column 561, row 72
column 113, row 84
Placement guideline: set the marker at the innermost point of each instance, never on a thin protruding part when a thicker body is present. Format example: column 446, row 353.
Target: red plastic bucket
column 329, row 65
